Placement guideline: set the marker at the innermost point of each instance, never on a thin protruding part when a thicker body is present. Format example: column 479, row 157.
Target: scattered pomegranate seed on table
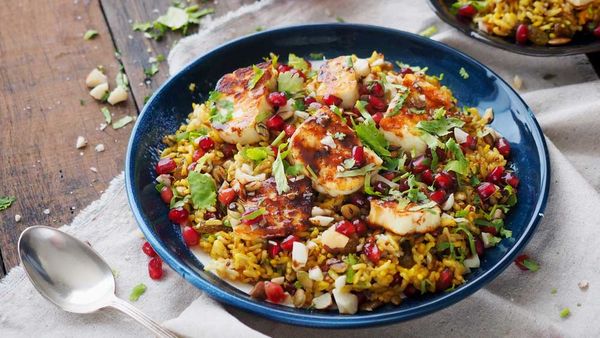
column 155, row 268
column 148, row 250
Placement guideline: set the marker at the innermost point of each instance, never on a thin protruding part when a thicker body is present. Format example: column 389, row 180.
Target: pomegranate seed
column 332, row 100
column 227, row 196
column 363, row 89
column 411, row 291
column 377, row 117
column 406, row 70
column 389, row 175
column 377, row 89
column 166, row 194
column 444, row 180
column 445, row 280
column 289, row 130
column 275, row 122
column 427, row 177
column 288, row 243
column 371, row 250
column 397, row 280
column 345, row 228
column 503, row 147
column 522, row 33
column 274, row 292
column 358, row 199
column 190, row 236
column 370, row 109
column 597, row 31
column 155, row 268
column 178, row 215
column 467, row 11
column 273, row 248
column 206, row 143
column 438, row 196
column 283, row 68
column 403, row 185
column 486, row 189
column 148, row 250
column 165, row 166
column 519, row 262
column 381, row 187
column 277, row 99
column 228, row 150
column 511, row 179
column 419, row 164
column 358, row 154
column 360, row 226
column 470, row 143
column 210, row 215
column 495, row 175
column 198, row 153
column 308, row 100
column 377, row 103
column 479, row 247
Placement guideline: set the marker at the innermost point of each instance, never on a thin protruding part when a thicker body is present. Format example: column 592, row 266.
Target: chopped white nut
column 334, row 239
column 94, row 78
column 315, row 274
column 322, row 302
column 278, row 280
column 449, row 203
column 99, row 148
column 299, row 255
column 584, row 284
column 322, row 221
column 99, row 91
column 103, row 126
column 81, row 142
column 118, row 94
column 46, row 211
column 94, row 169
column 17, row 218
column 517, row 82
column 361, row 67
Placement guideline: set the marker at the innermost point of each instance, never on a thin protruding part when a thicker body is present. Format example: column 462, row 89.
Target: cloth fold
column 563, row 92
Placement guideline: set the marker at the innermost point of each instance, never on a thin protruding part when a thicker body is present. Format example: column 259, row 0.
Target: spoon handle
column 140, row 317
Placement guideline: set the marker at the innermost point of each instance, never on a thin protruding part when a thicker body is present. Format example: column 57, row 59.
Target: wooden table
column 45, row 106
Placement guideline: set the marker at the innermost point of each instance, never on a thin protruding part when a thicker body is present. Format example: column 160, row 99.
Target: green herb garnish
column 278, row 170
column 90, row 34
column 290, row 82
column 356, row 172
column 258, row 74
column 202, row 190
column 122, row 122
column 463, row 73
column 107, row 116
column 6, row 202
column 254, row 214
column 429, row 31
column 137, row 291
column 564, row 313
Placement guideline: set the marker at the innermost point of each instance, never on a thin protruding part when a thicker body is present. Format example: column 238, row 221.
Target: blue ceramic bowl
column 170, row 105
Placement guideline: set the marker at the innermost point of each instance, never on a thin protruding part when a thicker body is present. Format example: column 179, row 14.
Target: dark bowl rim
column 321, row 319
column 539, row 51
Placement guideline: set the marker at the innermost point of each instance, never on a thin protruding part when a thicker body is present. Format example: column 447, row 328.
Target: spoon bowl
column 70, row 274
column 80, row 283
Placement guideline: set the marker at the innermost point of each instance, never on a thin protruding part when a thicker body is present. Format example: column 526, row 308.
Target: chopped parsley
column 121, row 80
column 463, row 73
column 256, row 154
column 177, row 18
column 6, row 202
column 316, row 56
column 90, row 34
column 339, row 19
column 137, row 291
column 221, row 111
column 254, row 214
column 399, row 102
column 440, row 127
column 290, row 82
column 151, row 71
column 349, row 62
column 297, row 62
column 294, row 170
column 357, row 172
column 459, row 165
column 369, row 134
column 202, row 190
column 564, row 313
column 257, row 75
column 351, row 260
column 530, row 265
column 107, row 116
column 414, row 194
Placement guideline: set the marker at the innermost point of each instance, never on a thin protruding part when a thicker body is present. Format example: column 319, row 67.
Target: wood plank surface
column 136, row 50
column 43, row 64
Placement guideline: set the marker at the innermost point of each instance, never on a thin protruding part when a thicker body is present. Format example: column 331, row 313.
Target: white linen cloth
column 517, row 303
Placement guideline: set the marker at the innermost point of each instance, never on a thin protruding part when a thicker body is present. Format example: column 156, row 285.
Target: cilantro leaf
column 202, row 190
column 256, row 154
column 6, row 202
column 398, row 103
column 142, row 26
column 373, row 138
column 298, row 63
column 290, row 82
column 440, row 127
column 357, row 172
column 150, row 72
column 258, row 74
column 294, row 170
column 459, row 165
column 90, row 34
column 279, row 173
column 175, row 18
column 221, row 111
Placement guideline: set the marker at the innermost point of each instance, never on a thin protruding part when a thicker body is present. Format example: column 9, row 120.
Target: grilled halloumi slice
column 323, row 142
column 403, row 220
column 337, row 77
column 423, row 97
column 250, row 106
column 286, row 213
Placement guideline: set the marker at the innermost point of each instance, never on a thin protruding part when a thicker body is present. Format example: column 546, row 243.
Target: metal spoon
column 70, row 274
